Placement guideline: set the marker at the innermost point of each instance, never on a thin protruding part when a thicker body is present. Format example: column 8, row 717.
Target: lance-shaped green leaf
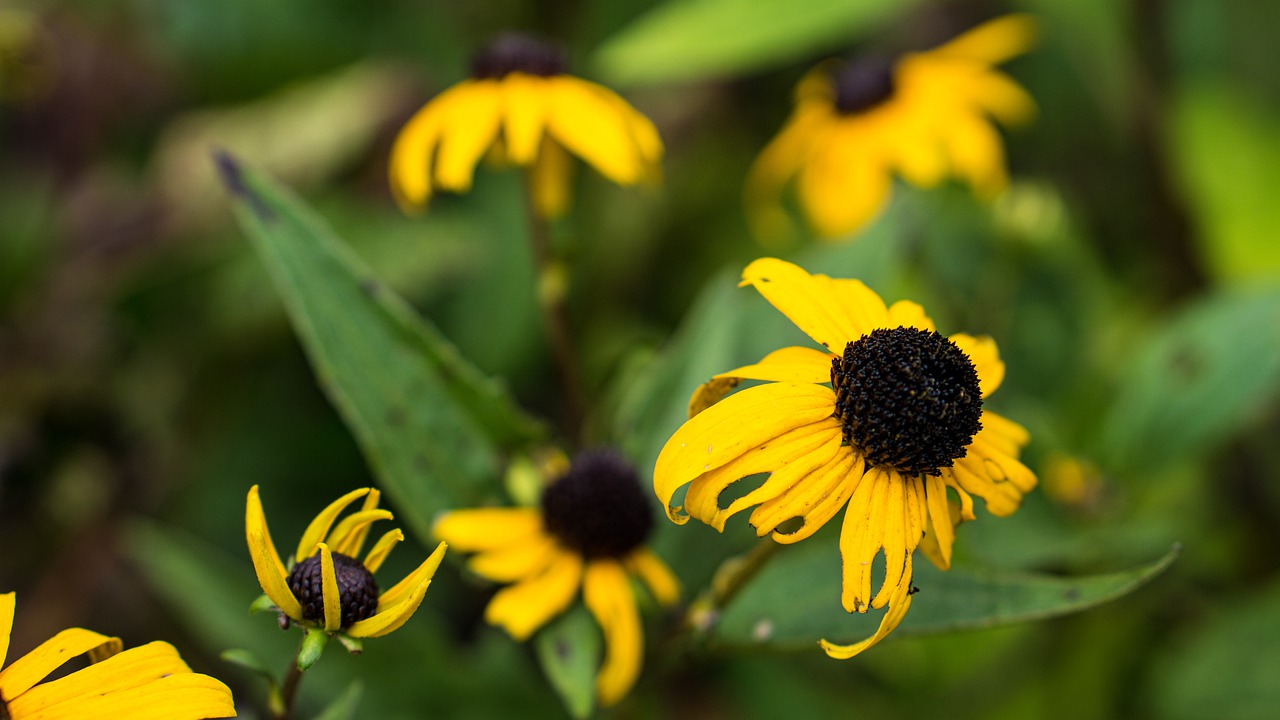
column 430, row 425
column 569, row 650
column 688, row 40
column 795, row 600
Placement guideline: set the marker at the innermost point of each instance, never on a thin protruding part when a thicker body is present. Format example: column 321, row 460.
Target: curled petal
column 381, row 549
column 390, row 617
column 655, row 574
column 424, row 572
column 348, row 537
column 899, row 604
column 266, row 561
column 606, row 591
column 319, row 527
column 815, row 499
column 985, row 356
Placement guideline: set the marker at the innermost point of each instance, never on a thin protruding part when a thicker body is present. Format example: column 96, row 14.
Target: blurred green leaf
column 1197, row 380
column 688, row 40
column 569, row 650
column 1226, row 668
column 249, row 661
column 771, row 613
column 345, row 705
column 430, row 425
column 1224, row 146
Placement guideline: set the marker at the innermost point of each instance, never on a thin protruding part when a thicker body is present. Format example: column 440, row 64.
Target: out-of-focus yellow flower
column 925, row 116
column 324, row 585
column 1072, row 481
column 588, row 533
column 520, row 107
column 881, row 423
column 150, row 682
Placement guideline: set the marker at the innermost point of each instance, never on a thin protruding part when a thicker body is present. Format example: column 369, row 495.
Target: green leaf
column 430, row 425
column 689, row 40
column 795, row 600
column 345, row 705
column 569, row 650
column 251, row 662
column 1196, row 381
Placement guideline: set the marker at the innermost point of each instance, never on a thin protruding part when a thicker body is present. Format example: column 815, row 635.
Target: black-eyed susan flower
column 924, row 116
column 149, row 682
column 520, row 107
column 881, row 422
column 588, row 533
column 324, row 586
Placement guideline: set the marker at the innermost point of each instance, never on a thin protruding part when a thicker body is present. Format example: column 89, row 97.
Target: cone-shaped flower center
column 357, row 590
column 907, row 398
column 863, row 84
column 513, row 52
column 598, row 508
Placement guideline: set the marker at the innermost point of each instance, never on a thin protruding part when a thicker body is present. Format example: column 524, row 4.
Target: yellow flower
column 881, row 422
column 925, row 117
column 589, row 533
column 150, row 682
column 324, row 585
column 521, row 107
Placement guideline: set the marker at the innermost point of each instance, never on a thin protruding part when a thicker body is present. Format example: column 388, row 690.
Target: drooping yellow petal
column 976, row 153
column 814, row 499
column 892, row 539
column 524, row 113
column 413, row 154
column 349, row 534
column 790, row 457
column 549, row 179
column 421, row 574
column 355, row 544
column 131, row 668
column 319, row 527
column 471, row 128
column 998, row 465
column 846, row 186
column 392, row 615
column 381, row 549
column 182, row 696
column 832, row 312
column 607, row 593
column 516, row 561
column 8, row 602
column 899, row 604
column 861, row 537
column 985, row 356
column 996, row 94
column 48, row 656
column 487, row 528
column 266, row 560
column 526, row 606
column 1004, row 428
column 970, row 475
column 329, row 590
column 732, row 427
column 943, row 531
column 584, row 118
column 790, row 364
column 777, row 164
column 994, row 41
column 906, row 313
column 655, row 573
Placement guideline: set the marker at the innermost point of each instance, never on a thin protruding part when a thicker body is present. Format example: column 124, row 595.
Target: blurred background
column 1131, row 274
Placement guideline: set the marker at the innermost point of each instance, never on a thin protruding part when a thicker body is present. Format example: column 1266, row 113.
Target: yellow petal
column 732, row 427
column 36, row 665
column 905, row 313
column 381, row 549
column 970, row 475
column 585, row 119
column 943, row 531
column 266, row 560
column 390, row 616
column 899, row 604
column 814, row 499
column 711, row 392
column 319, row 527
column 985, row 356
column 790, row 458
column 606, row 591
column 356, row 544
column 329, row 591
column 516, row 561
column 471, row 128
column 861, row 537
column 131, row 668
column 778, row 163
column 528, row 605
column 487, row 528
column 1004, row 428
column 976, row 153
column 656, row 575
column 8, row 602
column 832, row 312
column 790, row 364
column 524, row 110
column 349, row 535
column 1000, row 466
column 994, row 41
column 421, row 574
column 996, row 94
column 549, row 179
column 182, row 696
column 847, row 185
column 413, row 154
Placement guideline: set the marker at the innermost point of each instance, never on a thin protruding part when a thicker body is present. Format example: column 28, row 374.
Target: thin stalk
column 732, row 575
column 288, row 691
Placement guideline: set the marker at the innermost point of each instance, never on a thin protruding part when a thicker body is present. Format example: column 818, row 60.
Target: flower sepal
column 312, row 648
column 262, row 604
column 354, row 646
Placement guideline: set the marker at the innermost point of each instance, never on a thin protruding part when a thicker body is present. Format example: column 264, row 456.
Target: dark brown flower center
column 863, row 84
column 907, row 399
column 513, row 52
column 598, row 508
column 357, row 591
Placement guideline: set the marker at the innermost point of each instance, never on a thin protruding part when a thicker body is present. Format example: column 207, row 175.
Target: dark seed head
column 513, row 52
column 598, row 508
column 357, row 590
column 907, row 398
column 863, row 84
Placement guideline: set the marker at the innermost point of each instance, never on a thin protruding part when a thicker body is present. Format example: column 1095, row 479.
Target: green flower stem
column 282, row 703
column 732, row 575
column 552, row 286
